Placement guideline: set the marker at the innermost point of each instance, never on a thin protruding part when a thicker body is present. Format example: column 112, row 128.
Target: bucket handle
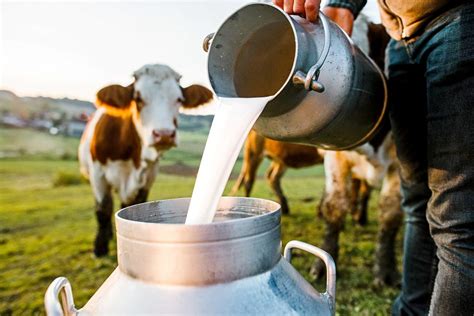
column 310, row 80
column 53, row 306
column 328, row 261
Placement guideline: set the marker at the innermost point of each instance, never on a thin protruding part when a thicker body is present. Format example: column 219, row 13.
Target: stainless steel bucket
column 231, row 266
column 328, row 92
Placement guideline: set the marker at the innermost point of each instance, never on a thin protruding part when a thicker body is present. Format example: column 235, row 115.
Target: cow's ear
column 196, row 95
column 116, row 96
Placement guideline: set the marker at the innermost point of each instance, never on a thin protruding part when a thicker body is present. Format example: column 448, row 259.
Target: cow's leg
column 364, row 197
column 103, row 211
column 146, row 177
column 137, row 185
column 333, row 214
column 355, row 188
column 251, row 174
column 274, row 175
column 238, row 183
column 335, row 205
column 319, row 209
column 141, row 197
column 253, row 156
column 360, row 194
column 247, row 176
column 390, row 218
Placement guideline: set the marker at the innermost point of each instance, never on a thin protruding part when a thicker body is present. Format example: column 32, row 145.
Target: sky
column 74, row 48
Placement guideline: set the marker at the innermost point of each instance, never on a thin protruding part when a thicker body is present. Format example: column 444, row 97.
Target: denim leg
column 407, row 97
column 448, row 51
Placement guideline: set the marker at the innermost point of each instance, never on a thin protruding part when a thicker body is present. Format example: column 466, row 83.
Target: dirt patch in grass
column 179, row 169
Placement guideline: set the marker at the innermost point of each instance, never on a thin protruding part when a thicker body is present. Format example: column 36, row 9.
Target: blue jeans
column 431, row 84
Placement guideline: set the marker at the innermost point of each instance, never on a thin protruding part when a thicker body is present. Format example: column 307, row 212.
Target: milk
column 232, row 123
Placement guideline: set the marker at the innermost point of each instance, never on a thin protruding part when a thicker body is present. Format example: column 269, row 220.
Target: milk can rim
column 295, row 36
column 194, row 233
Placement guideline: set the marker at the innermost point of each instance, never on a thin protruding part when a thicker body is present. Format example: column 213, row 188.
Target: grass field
column 47, row 231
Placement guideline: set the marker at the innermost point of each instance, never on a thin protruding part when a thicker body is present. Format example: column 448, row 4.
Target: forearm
column 355, row 6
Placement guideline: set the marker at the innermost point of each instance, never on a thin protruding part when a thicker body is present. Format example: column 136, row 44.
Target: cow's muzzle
column 164, row 138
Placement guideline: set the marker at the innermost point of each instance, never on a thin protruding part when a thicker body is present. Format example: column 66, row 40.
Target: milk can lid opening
column 253, row 53
column 163, row 221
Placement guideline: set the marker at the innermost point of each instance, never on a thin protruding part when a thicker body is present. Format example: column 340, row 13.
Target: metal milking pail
column 330, row 94
column 233, row 266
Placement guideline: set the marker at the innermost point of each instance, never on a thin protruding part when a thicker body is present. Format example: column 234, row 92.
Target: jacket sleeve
column 354, row 5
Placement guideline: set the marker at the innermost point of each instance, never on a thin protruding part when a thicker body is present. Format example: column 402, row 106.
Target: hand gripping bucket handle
column 310, row 80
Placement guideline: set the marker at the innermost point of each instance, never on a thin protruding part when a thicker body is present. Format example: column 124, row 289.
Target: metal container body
column 231, row 266
column 153, row 244
column 351, row 98
column 279, row 291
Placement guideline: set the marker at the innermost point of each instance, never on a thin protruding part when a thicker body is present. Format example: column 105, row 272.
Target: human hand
column 310, row 8
column 342, row 17
column 306, row 8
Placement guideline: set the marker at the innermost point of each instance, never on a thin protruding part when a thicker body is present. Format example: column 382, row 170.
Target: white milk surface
column 232, row 123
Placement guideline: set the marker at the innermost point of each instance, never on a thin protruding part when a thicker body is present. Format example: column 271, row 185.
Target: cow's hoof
column 101, row 245
column 386, row 278
column 285, row 209
column 362, row 221
column 101, row 251
column 318, row 270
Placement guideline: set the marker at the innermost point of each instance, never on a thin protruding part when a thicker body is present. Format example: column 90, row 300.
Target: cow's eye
column 138, row 98
column 180, row 100
column 139, row 101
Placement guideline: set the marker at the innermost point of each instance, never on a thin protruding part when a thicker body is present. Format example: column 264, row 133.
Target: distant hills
column 28, row 107
column 32, row 109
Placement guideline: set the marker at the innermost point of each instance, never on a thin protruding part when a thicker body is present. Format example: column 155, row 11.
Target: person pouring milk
column 430, row 70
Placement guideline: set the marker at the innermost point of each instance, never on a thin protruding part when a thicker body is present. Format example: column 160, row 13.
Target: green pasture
column 47, row 224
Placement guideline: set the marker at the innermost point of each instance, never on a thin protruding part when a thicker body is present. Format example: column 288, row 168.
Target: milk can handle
column 310, row 79
column 207, row 42
column 328, row 261
column 52, row 304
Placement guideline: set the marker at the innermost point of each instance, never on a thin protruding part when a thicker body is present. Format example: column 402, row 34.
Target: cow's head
column 154, row 100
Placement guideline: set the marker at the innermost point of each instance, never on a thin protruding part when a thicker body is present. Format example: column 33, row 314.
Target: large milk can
column 232, row 266
column 328, row 92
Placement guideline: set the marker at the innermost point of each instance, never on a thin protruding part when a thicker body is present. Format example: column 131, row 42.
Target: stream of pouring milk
column 262, row 67
column 230, row 127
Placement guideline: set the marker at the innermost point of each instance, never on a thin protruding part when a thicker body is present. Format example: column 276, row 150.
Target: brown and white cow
column 282, row 156
column 287, row 155
column 122, row 144
column 376, row 163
